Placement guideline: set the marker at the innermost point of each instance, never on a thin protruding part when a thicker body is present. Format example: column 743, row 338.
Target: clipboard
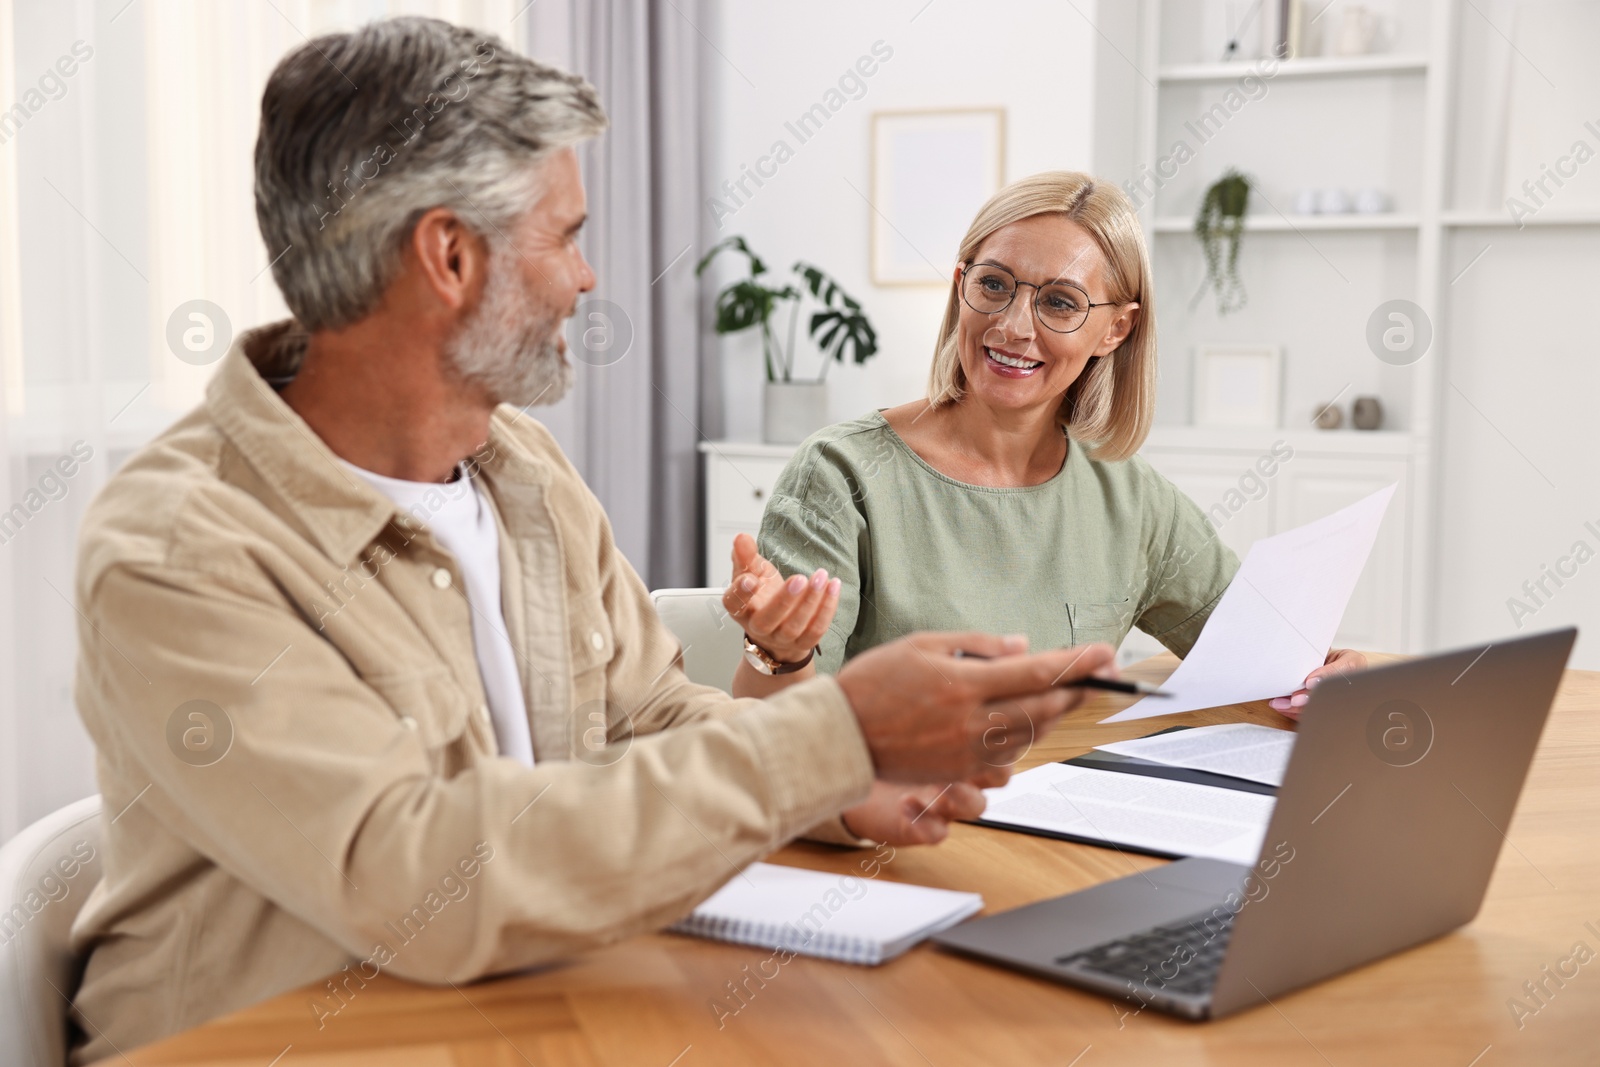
column 1094, row 759
column 1111, row 761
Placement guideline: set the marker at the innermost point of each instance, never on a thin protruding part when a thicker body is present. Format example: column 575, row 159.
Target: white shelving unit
column 1376, row 120
column 1310, row 67
column 1452, row 121
column 1497, row 219
column 1292, row 223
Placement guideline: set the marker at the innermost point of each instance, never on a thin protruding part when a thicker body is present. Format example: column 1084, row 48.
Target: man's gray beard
column 508, row 345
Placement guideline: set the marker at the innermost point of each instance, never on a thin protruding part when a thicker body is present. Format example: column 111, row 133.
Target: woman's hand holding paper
column 1340, row 660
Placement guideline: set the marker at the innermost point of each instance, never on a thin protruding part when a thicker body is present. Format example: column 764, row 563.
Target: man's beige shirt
column 294, row 749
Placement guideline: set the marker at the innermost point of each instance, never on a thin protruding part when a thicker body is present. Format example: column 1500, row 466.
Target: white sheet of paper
column 1135, row 811
column 1239, row 749
column 1276, row 620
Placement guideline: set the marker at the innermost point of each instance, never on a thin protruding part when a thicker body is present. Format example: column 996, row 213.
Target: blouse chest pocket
column 430, row 703
column 1100, row 620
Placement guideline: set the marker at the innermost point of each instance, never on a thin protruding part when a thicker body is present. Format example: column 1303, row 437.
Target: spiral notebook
column 837, row 917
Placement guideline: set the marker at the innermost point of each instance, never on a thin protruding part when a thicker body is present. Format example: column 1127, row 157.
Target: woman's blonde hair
column 1111, row 403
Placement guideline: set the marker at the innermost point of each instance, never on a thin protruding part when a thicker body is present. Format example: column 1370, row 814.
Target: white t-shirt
column 461, row 520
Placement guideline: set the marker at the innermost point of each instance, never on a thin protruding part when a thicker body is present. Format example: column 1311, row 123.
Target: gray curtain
column 644, row 395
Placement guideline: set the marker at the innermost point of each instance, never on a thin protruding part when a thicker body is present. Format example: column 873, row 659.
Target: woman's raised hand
column 786, row 617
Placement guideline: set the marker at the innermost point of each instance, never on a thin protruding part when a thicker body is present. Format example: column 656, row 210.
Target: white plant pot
column 793, row 411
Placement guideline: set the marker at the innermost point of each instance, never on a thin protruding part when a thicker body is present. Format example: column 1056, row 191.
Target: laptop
column 1384, row 835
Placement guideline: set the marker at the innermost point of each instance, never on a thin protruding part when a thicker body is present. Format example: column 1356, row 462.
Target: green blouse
column 1085, row 556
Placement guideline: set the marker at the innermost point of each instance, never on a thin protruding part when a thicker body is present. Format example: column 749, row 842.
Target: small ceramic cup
column 1372, row 201
column 1333, row 202
column 1358, row 31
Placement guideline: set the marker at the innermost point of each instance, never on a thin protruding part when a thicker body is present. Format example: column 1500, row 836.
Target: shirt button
column 597, row 640
column 440, row 578
column 408, row 722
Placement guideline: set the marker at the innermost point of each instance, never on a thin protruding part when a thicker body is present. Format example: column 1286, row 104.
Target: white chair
column 36, row 967
column 712, row 643
column 38, row 902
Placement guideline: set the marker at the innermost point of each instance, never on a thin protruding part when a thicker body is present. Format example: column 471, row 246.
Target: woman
column 1009, row 500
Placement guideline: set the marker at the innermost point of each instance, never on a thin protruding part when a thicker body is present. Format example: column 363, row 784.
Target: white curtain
column 633, row 420
column 126, row 137
column 11, row 813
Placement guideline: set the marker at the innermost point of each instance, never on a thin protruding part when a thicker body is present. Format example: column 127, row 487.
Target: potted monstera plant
column 793, row 407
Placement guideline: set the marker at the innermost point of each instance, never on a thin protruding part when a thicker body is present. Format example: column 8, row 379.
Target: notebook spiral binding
column 787, row 938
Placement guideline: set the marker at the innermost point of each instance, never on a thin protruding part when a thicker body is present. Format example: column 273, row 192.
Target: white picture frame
column 1238, row 385
column 931, row 172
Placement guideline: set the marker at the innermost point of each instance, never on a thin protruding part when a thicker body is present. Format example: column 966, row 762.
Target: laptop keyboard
column 1182, row 957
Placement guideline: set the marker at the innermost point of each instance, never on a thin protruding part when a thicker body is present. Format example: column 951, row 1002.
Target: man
column 352, row 628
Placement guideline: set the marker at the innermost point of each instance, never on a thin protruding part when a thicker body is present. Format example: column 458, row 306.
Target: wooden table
column 648, row 1002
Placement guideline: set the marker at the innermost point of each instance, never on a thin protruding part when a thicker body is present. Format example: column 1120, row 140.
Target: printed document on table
column 1276, row 620
column 1134, row 811
column 1239, row 749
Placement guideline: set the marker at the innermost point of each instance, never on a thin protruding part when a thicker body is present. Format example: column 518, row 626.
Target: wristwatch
column 767, row 663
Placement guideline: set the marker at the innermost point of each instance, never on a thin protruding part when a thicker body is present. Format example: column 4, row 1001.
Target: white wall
column 1034, row 58
column 1522, row 377
column 1521, row 476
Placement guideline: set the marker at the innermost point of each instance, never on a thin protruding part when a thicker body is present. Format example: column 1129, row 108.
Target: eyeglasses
column 1062, row 307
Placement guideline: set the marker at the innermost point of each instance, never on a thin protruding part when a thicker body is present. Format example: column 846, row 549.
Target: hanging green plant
column 838, row 326
column 1220, row 227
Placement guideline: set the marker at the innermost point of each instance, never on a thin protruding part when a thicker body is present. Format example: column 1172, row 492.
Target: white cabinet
column 1250, row 483
column 1225, row 474
column 1376, row 615
column 1412, row 120
column 1241, row 515
column 739, row 480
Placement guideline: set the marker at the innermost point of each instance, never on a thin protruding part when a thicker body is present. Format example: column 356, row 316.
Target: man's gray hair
column 363, row 132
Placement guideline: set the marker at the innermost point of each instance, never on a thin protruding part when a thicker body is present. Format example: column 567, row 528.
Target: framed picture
column 931, row 171
column 1237, row 385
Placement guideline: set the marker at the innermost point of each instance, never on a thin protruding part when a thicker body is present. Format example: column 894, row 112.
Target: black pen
column 1115, row 685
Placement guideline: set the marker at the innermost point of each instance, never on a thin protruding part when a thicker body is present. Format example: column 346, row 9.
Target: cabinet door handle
column 760, row 492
